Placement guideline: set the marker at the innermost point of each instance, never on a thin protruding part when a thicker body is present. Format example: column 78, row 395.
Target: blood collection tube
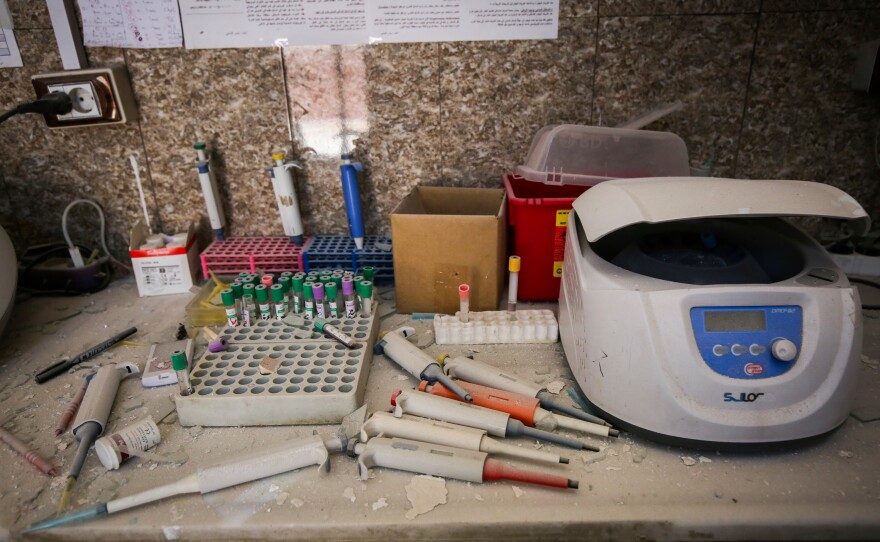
column 277, row 294
column 263, row 302
column 464, row 294
column 228, row 298
column 181, row 367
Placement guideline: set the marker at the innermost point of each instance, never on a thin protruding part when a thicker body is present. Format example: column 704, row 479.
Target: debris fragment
column 424, row 494
column 349, row 494
column 517, row 492
column 594, row 458
column 639, row 454
column 555, row 387
column 381, row 503
column 296, row 503
column 688, row 461
column 542, row 370
column 704, row 459
column 426, row 339
column 845, row 453
column 281, row 498
column 613, row 468
column 269, row 365
column 479, row 497
column 873, row 363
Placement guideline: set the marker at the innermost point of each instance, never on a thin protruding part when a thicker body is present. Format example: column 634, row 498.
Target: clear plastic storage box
column 586, row 155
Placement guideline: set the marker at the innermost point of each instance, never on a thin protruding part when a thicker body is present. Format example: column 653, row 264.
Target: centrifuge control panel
column 748, row 342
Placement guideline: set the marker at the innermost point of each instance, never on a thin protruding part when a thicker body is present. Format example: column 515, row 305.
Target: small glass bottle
column 332, row 301
column 228, row 299
column 284, row 281
column 348, row 297
column 181, row 368
column 308, row 301
column 263, row 302
column 237, row 290
column 248, row 309
column 277, row 291
column 320, row 303
column 296, row 294
column 366, row 291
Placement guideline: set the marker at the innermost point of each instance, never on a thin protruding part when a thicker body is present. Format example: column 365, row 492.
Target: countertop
column 631, row 489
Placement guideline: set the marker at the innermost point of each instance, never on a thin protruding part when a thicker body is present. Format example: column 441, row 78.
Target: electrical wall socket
column 100, row 96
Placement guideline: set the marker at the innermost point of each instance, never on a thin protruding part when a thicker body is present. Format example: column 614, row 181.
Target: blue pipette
column 353, row 198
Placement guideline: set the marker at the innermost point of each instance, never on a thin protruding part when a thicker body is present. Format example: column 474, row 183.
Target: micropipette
column 210, row 191
column 484, row 374
column 521, row 407
column 284, row 457
column 448, row 434
column 394, row 346
column 498, row 424
column 352, row 196
column 285, row 196
column 445, row 461
column 92, row 418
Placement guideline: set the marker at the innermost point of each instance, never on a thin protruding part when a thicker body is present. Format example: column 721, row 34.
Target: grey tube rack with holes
column 318, row 380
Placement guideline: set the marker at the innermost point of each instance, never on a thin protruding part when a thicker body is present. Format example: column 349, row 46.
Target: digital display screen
column 735, row 321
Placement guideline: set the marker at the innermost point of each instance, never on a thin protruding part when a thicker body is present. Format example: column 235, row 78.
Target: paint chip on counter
column 381, row 503
column 424, row 494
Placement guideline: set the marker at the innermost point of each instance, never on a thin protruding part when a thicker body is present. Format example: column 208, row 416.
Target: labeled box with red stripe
column 171, row 269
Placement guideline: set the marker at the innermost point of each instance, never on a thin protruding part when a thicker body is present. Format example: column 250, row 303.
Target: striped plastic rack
column 248, row 254
column 339, row 252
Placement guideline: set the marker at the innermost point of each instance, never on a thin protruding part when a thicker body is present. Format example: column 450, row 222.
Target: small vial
column 349, row 298
column 320, row 303
column 464, row 297
column 228, row 299
column 237, row 290
column 370, row 273
column 332, row 300
column 284, row 281
column 296, row 294
column 308, row 301
column 248, row 310
column 263, row 302
column 335, row 332
column 277, row 294
column 267, row 280
column 357, row 290
column 181, row 368
column 248, row 315
column 366, row 291
column 340, row 302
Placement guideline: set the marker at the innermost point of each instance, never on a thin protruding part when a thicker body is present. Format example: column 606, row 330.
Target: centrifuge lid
column 616, row 204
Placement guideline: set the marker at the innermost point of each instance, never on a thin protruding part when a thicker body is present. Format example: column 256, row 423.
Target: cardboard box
column 444, row 237
column 161, row 271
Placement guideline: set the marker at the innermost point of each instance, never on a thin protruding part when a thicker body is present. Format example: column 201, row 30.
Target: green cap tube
column 331, row 290
column 178, row 360
column 228, row 297
column 237, row 289
column 365, row 288
column 337, row 280
column 285, row 283
column 277, row 291
column 325, row 279
column 307, row 290
column 247, row 289
column 298, row 283
column 244, row 275
column 319, row 325
column 369, row 273
column 262, row 293
column 287, row 274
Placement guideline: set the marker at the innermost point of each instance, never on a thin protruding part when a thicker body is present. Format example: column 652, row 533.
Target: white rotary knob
column 783, row 350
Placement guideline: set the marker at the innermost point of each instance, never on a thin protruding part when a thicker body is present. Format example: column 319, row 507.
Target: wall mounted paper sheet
column 140, row 24
column 265, row 23
column 10, row 57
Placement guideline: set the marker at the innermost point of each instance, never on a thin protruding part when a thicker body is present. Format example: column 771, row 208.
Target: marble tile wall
column 764, row 85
